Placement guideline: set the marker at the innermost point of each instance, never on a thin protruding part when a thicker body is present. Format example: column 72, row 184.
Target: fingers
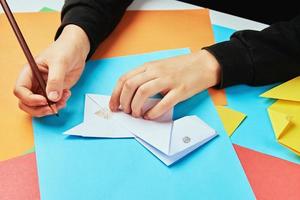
column 40, row 111
column 170, row 100
column 114, row 102
column 144, row 92
column 130, row 87
column 28, row 98
column 24, row 92
column 35, row 111
column 55, row 82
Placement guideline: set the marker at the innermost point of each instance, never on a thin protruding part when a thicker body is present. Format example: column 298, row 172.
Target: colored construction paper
column 256, row 131
column 46, row 9
column 16, row 136
column 222, row 33
column 18, row 178
column 38, row 39
column 230, row 118
column 286, row 91
column 81, row 168
column 285, row 119
column 270, row 177
column 146, row 31
column 28, row 151
column 218, row 96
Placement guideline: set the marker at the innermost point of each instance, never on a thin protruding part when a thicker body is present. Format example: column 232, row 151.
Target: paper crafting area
column 252, row 145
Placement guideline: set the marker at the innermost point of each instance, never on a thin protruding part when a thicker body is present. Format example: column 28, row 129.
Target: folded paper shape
column 285, row 119
column 188, row 133
column 166, row 139
column 230, row 118
column 286, row 91
column 96, row 126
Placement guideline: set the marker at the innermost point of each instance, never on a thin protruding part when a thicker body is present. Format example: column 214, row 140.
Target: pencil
column 35, row 70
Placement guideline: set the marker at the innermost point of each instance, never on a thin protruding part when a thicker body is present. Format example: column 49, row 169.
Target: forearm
column 97, row 18
column 260, row 57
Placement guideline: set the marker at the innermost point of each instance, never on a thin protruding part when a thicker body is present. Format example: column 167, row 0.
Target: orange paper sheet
column 146, row 31
column 15, row 126
column 18, row 178
column 218, row 96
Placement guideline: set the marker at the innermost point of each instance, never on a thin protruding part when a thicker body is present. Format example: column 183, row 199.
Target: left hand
column 177, row 78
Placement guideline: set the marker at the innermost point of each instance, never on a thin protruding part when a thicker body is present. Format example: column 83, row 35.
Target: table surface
column 218, row 18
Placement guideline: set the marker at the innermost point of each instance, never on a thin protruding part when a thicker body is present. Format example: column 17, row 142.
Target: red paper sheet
column 18, row 178
column 270, row 177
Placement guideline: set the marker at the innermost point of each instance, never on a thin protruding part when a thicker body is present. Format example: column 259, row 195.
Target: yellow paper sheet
column 289, row 90
column 285, row 119
column 230, row 118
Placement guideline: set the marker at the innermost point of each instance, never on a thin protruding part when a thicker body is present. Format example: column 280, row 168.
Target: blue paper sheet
column 222, row 33
column 82, row 168
column 256, row 131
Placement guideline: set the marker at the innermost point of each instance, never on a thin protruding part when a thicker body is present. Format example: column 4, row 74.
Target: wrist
column 76, row 36
column 212, row 67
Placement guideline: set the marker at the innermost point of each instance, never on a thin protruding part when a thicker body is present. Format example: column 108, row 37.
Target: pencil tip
column 54, row 109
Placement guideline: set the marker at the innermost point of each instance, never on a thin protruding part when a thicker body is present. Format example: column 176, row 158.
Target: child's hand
column 176, row 78
column 61, row 65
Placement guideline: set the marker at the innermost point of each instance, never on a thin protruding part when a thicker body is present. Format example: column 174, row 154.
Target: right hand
column 61, row 65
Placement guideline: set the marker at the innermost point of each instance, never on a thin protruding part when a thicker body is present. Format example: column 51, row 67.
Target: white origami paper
column 166, row 139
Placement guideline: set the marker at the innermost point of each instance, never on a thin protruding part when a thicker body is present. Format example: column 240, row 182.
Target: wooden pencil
column 35, row 70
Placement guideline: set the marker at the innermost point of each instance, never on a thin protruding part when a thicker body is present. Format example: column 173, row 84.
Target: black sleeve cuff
column 90, row 23
column 235, row 62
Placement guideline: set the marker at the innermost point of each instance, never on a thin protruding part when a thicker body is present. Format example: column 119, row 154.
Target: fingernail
column 53, row 96
column 67, row 96
column 111, row 107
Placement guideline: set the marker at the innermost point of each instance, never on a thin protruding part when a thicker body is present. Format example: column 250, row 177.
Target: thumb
column 55, row 82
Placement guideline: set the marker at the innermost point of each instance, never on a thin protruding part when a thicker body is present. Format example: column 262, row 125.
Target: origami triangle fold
column 286, row 91
column 230, row 118
column 285, row 119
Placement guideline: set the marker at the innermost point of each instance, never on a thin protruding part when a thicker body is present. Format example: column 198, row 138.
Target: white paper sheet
column 168, row 140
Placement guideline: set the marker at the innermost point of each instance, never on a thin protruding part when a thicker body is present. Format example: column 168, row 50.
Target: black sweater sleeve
column 96, row 17
column 260, row 57
column 249, row 57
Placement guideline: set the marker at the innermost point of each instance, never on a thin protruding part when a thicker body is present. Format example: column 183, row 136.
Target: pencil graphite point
column 54, row 109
